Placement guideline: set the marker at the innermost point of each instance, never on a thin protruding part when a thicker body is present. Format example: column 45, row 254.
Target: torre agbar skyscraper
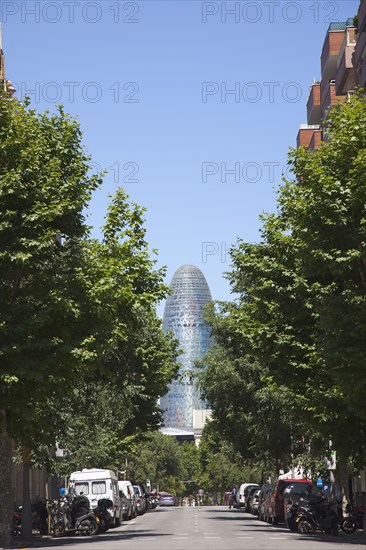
column 183, row 315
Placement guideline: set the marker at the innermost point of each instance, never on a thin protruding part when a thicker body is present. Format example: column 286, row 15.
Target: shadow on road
column 103, row 538
column 257, row 526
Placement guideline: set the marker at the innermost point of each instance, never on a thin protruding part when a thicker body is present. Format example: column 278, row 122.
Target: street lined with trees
column 84, row 359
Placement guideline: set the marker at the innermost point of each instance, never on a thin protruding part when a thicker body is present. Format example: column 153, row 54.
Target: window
column 295, row 488
column 81, row 488
column 98, row 487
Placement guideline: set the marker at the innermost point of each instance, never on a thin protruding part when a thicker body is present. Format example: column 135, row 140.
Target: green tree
column 44, row 188
column 295, row 337
column 157, row 458
column 133, row 359
column 191, row 468
column 222, row 465
column 78, row 321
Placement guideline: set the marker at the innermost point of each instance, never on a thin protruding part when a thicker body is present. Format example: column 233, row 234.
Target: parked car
column 128, row 497
column 248, row 497
column 254, row 502
column 141, row 502
column 96, row 484
column 293, row 494
column 243, row 493
column 276, row 509
column 264, row 497
column 166, row 499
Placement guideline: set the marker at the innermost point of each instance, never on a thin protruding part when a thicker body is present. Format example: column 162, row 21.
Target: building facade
column 343, row 69
column 183, row 315
column 5, row 84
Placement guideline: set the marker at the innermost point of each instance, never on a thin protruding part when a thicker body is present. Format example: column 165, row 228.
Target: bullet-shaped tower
column 183, row 315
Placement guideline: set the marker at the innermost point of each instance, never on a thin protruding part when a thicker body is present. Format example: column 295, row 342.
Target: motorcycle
column 353, row 521
column 153, row 500
column 77, row 519
column 291, row 517
column 102, row 513
column 39, row 519
column 17, row 522
column 317, row 513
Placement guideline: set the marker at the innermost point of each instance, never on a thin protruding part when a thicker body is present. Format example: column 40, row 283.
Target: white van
column 96, row 484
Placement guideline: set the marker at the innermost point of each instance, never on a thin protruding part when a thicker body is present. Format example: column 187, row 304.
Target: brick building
column 343, row 69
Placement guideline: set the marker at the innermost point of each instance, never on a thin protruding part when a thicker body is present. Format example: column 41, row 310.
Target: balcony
column 305, row 134
column 316, row 140
column 313, row 105
column 329, row 97
column 331, row 48
column 359, row 58
column 347, row 78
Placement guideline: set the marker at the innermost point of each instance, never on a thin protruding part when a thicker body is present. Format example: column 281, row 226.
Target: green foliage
column 223, row 466
column 183, row 469
column 44, row 189
column 83, row 358
column 288, row 371
column 157, row 457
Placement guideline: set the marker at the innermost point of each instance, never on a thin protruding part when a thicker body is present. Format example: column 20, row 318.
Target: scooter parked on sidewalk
column 317, row 513
column 77, row 519
column 349, row 524
column 102, row 513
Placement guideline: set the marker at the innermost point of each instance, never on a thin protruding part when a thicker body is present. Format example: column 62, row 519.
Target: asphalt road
column 202, row 528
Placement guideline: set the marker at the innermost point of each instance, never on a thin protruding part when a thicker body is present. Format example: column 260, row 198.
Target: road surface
column 202, row 528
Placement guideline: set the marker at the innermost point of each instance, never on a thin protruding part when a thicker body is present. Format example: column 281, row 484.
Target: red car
column 276, row 509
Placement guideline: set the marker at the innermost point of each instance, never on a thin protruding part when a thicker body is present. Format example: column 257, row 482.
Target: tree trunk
column 6, row 483
column 343, row 476
column 26, row 510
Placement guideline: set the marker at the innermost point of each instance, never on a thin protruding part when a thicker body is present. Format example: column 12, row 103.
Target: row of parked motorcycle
column 297, row 504
column 76, row 517
column 73, row 515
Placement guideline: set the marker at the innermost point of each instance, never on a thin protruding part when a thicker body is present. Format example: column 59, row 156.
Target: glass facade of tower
column 183, row 316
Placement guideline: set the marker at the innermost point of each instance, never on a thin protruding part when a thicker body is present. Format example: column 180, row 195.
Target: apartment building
column 343, row 69
column 4, row 83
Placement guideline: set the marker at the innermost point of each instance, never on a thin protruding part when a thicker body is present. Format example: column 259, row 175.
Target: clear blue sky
column 134, row 74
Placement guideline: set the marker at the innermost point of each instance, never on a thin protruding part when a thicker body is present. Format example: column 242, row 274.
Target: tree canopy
column 83, row 357
column 293, row 343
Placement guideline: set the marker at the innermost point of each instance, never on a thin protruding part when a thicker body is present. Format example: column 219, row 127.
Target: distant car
column 254, row 502
column 248, row 496
column 264, row 496
column 242, row 496
column 166, row 499
column 128, row 498
column 141, row 502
